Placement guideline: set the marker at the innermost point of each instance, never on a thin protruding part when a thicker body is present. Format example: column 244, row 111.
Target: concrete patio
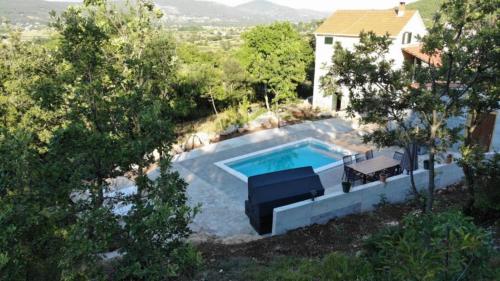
column 222, row 195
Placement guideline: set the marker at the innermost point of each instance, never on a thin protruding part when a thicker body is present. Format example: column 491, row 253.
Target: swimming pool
column 306, row 152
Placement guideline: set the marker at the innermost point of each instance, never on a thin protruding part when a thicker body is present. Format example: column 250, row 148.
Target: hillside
column 427, row 9
column 278, row 12
column 255, row 12
column 29, row 12
column 35, row 13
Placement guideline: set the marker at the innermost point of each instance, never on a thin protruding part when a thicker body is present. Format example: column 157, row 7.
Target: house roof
column 416, row 51
column 352, row 22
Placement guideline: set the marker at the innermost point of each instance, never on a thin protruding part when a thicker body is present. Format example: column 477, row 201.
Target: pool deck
column 222, row 195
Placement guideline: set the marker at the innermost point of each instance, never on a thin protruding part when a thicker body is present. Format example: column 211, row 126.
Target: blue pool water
column 295, row 156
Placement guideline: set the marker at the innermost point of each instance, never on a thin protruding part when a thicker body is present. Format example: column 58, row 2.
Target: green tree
column 276, row 57
column 118, row 97
column 235, row 81
column 416, row 103
column 211, row 84
column 466, row 34
column 33, row 200
column 94, row 106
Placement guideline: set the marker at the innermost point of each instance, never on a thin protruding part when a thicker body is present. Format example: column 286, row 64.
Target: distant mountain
column 258, row 11
column 178, row 12
column 279, row 12
column 29, row 12
column 198, row 12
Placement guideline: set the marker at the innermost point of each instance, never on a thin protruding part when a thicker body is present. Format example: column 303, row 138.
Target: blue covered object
column 272, row 190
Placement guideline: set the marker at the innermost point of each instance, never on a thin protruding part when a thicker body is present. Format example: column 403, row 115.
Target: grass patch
column 334, row 267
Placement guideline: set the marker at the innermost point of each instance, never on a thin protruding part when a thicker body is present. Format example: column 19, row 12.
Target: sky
column 327, row 5
column 319, row 5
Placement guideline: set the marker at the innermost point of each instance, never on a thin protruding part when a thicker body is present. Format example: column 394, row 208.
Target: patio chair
column 397, row 156
column 398, row 170
column 359, row 158
column 349, row 174
column 347, row 159
column 369, row 154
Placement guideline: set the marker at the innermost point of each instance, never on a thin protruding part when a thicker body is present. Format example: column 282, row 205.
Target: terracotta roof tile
column 416, row 51
column 352, row 22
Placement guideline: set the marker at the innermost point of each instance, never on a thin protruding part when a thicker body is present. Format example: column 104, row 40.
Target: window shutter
column 408, row 39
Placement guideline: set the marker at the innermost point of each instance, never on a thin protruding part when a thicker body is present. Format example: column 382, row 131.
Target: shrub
column 487, row 184
column 432, row 247
column 231, row 117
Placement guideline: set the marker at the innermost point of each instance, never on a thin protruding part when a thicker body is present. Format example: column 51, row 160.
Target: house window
column 328, row 40
column 407, row 38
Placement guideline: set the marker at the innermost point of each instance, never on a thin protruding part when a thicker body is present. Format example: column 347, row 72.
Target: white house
column 344, row 26
column 495, row 134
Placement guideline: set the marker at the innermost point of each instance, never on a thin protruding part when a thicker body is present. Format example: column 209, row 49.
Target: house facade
column 495, row 140
column 344, row 26
column 487, row 134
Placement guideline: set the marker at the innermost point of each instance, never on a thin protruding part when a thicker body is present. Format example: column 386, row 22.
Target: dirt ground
column 344, row 234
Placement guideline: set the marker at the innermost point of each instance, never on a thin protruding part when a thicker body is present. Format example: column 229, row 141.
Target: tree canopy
column 277, row 58
column 95, row 106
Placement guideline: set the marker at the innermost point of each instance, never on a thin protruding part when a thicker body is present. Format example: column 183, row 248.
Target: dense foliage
column 103, row 99
column 275, row 62
column 486, row 184
column 277, row 59
column 94, row 106
column 445, row 246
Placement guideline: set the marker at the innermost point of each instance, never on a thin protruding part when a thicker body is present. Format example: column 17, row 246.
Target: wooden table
column 374, row 165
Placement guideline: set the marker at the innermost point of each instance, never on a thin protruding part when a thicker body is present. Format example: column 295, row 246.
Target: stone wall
column 361, row 199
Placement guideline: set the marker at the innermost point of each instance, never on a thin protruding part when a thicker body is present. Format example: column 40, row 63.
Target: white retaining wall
column 361, row 198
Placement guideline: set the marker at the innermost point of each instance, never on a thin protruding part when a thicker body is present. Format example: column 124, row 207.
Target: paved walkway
column 222, row 195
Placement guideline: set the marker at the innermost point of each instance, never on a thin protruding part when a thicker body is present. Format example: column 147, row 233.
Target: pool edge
column 222, row 164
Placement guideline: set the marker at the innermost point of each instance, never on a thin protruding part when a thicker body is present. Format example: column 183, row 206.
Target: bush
column 432, row 247
column 487, row 184
column 238, row 115
column 444, row 247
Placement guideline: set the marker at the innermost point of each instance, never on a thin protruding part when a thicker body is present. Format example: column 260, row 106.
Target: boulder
column 156, row 155
column 305, row 106
column 229, row 130
column 267, row 124
column 204, row 137
column 274, row 121
column 177, row 149
column 119, row 182
column 253, row 125
column 192, row 142
column 215, row 138
column 297, row 113
column 197, row 140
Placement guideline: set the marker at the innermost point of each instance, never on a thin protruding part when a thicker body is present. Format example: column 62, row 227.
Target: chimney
column 400, row 11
